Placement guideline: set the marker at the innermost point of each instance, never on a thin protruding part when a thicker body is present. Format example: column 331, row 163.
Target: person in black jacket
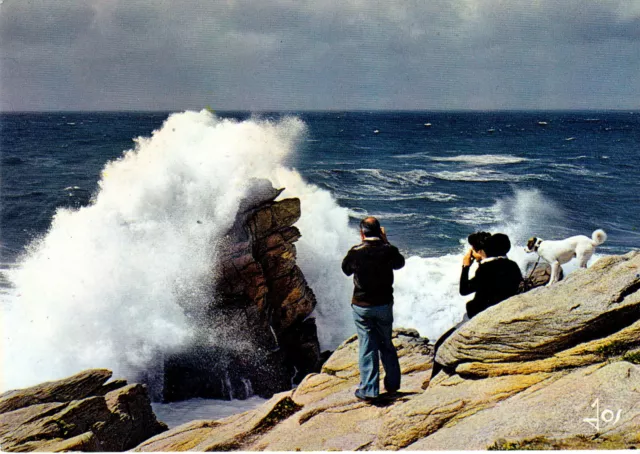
column 372, row 263
column 496, row 279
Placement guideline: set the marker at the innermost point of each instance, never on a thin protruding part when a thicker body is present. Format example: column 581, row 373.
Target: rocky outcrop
column 79, row 413
column 557, row 367
column 257, row 337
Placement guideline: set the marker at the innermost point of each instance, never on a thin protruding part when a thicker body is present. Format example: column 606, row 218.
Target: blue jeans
column 373, row 325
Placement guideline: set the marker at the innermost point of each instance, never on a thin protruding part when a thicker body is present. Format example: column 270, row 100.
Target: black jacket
column 495, row 281
column 372, row 263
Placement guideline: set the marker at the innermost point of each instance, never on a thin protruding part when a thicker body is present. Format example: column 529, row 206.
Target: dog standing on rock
column 559, row 252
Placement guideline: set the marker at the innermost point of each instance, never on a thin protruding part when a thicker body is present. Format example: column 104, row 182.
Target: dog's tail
column 599, row 237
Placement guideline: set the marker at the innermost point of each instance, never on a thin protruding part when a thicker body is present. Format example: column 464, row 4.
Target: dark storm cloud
column 567, row 22
column 36, row 23
column 350, row 54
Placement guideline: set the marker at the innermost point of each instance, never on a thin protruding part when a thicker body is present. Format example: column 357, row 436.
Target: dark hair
column 478, row 240
column 370, row 227
column 497, row 245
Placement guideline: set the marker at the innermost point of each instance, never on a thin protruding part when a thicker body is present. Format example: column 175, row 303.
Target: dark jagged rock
column 537, row 275
column 111, row 386
column 132, row 419
column 257, row 337
column 78, row 413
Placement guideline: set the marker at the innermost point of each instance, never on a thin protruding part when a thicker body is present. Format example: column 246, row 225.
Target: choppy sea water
column 176, row 413
column 102, row 247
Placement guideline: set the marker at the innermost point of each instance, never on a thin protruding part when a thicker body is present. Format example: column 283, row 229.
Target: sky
column 319, row 55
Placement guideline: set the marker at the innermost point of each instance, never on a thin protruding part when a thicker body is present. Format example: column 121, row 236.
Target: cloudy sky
column 319, row 54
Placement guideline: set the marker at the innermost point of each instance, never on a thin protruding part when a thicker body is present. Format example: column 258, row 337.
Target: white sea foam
column 475, row 216
column 364, row 192
column 395, row 196
column 379, row 184
column 382, row 216
column 426, row 294
column 485, row 175
column 373, row 177
column 572, row 169
column 408, row 178
column 357, row 213
column 527, row 213
column 433, row 196
column 481, row 160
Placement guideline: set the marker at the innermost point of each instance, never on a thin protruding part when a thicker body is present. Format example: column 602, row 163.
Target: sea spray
column 426, row 294
column 527, row 213
column 116, row 282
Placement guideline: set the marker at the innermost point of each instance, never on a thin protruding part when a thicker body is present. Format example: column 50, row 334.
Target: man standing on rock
column 372, row 263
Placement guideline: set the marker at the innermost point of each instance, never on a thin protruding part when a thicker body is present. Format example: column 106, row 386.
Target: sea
column 110, row 220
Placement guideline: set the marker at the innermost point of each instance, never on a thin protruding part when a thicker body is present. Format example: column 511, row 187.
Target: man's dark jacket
column 495, row 280
column 372, row 263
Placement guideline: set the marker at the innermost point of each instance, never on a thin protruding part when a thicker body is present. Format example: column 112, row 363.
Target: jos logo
column 607, row 417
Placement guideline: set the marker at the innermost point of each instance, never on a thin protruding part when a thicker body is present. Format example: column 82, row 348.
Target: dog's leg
column 584, row 258
column 555, row 273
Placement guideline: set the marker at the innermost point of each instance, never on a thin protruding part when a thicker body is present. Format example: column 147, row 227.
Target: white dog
column 562, row 251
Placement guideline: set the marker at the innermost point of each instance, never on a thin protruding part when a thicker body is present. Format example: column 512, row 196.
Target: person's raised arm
column 467, row 285
column 397, row 260
column 383, row 235
column 347, row 264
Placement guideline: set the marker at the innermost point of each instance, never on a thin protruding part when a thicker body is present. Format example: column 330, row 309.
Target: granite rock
column 76, row 414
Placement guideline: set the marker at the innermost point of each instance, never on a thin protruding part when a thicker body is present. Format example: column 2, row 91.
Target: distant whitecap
column 484, row 159
column 486, row 175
